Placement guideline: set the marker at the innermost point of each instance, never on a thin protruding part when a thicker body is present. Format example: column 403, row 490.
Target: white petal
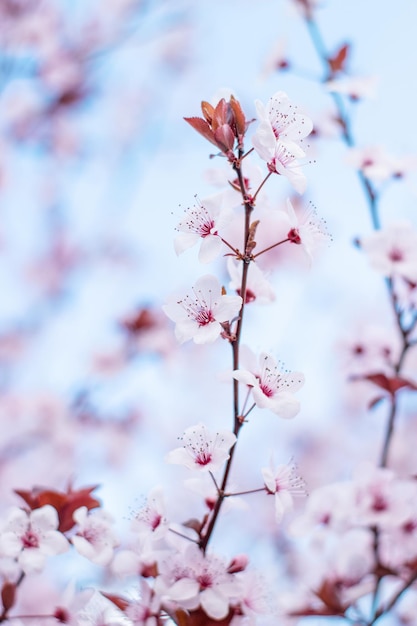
column 211, row 247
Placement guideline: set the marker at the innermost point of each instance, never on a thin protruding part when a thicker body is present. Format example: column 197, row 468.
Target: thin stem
column 175, row 532
column 260, row 186
column 235, row 250
column 384, row 610
column 244, row 493
column 274, row 245
column 237, row 422
column 347, row 135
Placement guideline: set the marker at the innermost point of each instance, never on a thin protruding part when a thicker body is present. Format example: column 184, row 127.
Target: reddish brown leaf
column 338, row 61
column 225, row 138
column 118, row 601
column 139, row 321
column 220, row 116
column 64, row 503
column 239, row 116
column 208, row 111
column 202, row 127
column 8, row 596
column 389, row 384
column 194, row 524
column 392, row 385
column 329, row 594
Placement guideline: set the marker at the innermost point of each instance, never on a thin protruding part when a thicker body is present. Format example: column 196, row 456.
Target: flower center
column 204, row 317
column 396, row 255
column 30, row 540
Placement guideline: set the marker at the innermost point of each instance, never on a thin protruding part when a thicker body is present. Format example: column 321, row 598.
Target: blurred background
column 96, row 168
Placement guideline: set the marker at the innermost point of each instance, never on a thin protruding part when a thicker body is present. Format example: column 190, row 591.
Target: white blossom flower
column 393, row 250
column 95, row 538
column 280, row 121
column 277, row 138
column 378, row 165
column 283, row 482
column 31, row 537
column 282, row 158
column 199, row 316
column 356, row 87
column 306, row 229
column 203, row 449
column 204, row 221
column 257, row 288
column 150, row 520
column 271, row 387
column 145, row 610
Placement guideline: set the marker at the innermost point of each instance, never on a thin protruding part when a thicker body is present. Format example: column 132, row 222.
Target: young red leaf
column 118, row 601
column 338, row 61
column 8, row 596
column 202, row 127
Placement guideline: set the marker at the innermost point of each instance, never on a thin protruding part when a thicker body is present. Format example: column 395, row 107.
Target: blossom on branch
column 280, row 121
column 31, row 537
column 271, row 387
column 306, row 229
column 203, row 221
column 283, row 482
column 95, row 538
column 194, row 580
column 392, row 251
column 278, row 135
column 199, row 316
column 203, row 449
column 257, row 288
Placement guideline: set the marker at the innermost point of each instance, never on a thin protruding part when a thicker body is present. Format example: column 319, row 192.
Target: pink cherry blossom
column 145, row 610
column 282, row 158
column 392, row 251
column 378, row 165
column 204, row 221
column 280, row 121
column 277, row 138
column 95, row 538
column 271, row 387
column 306, row 229
column 197, row 580
column 31, row 537
column 356, row 87
column 202, row 449
column 199, row 316
column 381, row 499
column 150, row 520
column 283, row 482
column 257, row 288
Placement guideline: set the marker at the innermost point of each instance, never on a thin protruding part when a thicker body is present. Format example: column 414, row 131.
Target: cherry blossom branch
column 372, row 198
column 387, row 608
column 347, row 134
column 235, row 342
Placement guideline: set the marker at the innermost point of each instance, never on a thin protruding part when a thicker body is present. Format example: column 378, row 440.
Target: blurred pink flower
column 31, row 537
column 393, row 250
column 197, row 580
column 95, row 538
column 283, row 482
